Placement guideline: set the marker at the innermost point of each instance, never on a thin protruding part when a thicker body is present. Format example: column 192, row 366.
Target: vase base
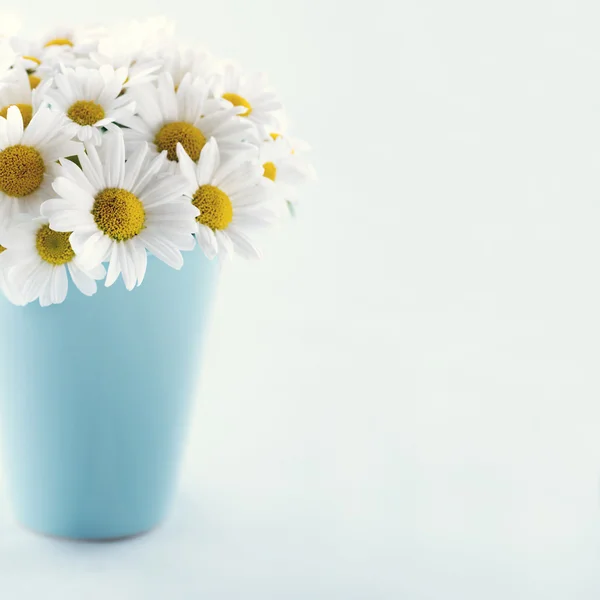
column 90, row 539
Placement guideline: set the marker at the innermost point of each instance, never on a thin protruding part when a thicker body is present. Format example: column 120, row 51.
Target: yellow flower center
column 34, row 81
column 269, row 171
column 26, row 112
column 85, row 112
column 59, row 42
column 239, row 101
column 2, row 248
column 119, row 213
column 54, row 246
column 21, row 170
column 214, row 205
column 37, row 61
column 274, row 136
column 190, row 137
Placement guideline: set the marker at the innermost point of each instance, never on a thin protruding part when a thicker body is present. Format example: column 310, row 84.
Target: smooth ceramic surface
column 94, row 399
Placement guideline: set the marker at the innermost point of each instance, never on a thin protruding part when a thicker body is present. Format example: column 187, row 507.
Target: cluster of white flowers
column 116, row 144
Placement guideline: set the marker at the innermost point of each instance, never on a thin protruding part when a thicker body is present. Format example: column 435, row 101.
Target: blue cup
column 95, row 396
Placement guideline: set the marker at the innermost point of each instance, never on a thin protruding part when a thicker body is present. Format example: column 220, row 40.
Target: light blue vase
column 95, row 395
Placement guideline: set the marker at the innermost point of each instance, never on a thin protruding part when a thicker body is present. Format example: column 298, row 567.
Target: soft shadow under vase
column 95, row 395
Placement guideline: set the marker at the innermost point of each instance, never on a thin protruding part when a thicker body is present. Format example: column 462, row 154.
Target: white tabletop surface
column 402, row 400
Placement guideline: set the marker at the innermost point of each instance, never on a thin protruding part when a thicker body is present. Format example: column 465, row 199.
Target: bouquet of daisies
column 115, row 146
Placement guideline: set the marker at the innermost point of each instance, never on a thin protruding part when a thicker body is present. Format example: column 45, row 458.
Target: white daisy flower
column 230, row 199
column 59, row 48
column 91, row 99
column 181, row 60
column 185, row 116
column 28, row 157
column 251, row 93
column 78, row 41
column 36, row 261
column 284, row 168
column 118, row 209
column 22, row 90
column 27, row 53
column 41, row 61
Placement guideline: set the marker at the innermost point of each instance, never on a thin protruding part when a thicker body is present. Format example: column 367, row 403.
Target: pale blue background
column 402, row 400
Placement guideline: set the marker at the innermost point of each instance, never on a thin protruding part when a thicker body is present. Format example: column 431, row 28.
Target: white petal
column 11, row 258
column 14, row 129
column 92, row 168
column 73, row 172
column 133, row 166
column 81, row 236
column 85, row 284
column 38, row 279
column 114, row 268
column 242, row 244
column 69, row 190
column 98, row 272
column 164, row 190
column 140, row 259
column 163, row 251
column 114, row 146
column 65, row 220
column 208, row 163
column 224, row 243
column 127, row 264
column 187, row 167
column 166, row 97
column 96, row 250
column 247, row 176
column 45, row 295
column 207, row 241
column 149, row 173
column 182, row 240
column 60, row 284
